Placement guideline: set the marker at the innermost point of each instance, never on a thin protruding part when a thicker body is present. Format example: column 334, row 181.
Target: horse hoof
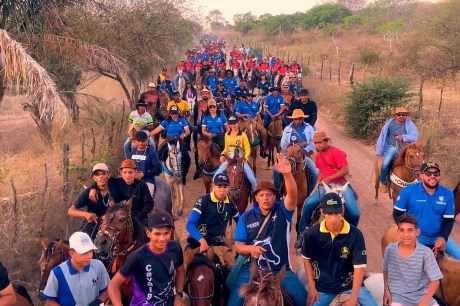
column 179, row 212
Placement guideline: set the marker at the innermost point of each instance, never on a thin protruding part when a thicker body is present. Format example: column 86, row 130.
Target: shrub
column 352, row 21
column 370, row 104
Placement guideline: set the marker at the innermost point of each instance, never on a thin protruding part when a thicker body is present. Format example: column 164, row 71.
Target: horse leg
column 270, row 152
column 180, row 199
column 377, row 169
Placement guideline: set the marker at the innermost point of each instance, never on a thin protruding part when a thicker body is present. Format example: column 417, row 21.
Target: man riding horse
column 396, row 132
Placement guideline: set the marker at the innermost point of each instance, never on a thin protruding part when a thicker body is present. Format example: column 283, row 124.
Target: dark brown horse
column 406, row 169
column 457, row 199
column 450, row 269
column 295, row 155
column 257, row 135
column 204, row 280
column 265, row 289
column 275, row 132
column 208, row 160
column 54, row 253
column 239, row 185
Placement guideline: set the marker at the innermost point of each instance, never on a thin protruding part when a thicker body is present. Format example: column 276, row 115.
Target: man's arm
column 314, row 114
column 313, row 294
column 284, row 167
column 7, row 296
column 179, row 279
column 341, row 172
column 386, row 289
column 50, row 303
column 429, row 293
column 114, row 289
column 358, row 276
column 74, row 212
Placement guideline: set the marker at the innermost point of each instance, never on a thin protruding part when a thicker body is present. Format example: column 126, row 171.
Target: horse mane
column 138, row 228
column 400, row 158
column 199, row 260
column 204, row 138
column 266, row 287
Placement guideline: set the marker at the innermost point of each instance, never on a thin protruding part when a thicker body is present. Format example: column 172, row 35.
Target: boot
column 383, row 188
column 196, row 175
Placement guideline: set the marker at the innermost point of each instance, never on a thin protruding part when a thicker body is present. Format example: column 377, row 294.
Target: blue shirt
column 382, row 142
column 274, row 238
column 146, row 160
column 289, row 136
column 274, row 103
column 240, row 91
column 428, row 209
column 230, row 84
column 244, row 108
column 211, row 81
column 173, row 128
column 263, row 87
column 214, row 125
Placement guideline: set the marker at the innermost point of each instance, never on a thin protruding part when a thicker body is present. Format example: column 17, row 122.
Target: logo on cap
column 223, row 177
column 331, row 202
column 431, row 164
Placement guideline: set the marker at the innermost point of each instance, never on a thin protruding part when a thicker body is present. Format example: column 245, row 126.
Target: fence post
column 15, row 213
column 65, row 174
column 83, row 139
column 352, row 71
column 330, row 72
column 338, row 73
column 322, row 66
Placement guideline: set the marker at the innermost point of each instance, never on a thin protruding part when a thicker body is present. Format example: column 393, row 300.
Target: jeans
column 247, row 170
column 127, row 146
column 313, row 200
column 387, row 162
column 290, row 283
column 452, row 248
column 364, row 297
column 312, row 171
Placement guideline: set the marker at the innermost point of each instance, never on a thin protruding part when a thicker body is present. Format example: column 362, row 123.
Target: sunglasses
column 317, row 142
column 212, row 106
column 174, row 113
column 432, row 173
column 401, row 114
column 297, row 119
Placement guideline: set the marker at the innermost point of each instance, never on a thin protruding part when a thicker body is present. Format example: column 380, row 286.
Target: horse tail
column 21, row 290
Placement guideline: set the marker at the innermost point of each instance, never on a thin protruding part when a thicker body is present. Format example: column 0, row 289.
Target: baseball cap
column 174, row 109
column 430, row 164
column 221, row 179
column 304, row 91
column 141, row 135
column 160, row 218
column 81, row 243
column 331, row 203
column 128, row 163
column 165, row 69
column 232, row 119
column 176, row 93
column 100, row 167
column 151, row 84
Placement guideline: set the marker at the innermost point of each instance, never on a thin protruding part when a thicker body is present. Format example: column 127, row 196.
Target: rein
column 233, row 186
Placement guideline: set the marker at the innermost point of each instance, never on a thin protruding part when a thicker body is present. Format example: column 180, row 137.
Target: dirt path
column 375, row 214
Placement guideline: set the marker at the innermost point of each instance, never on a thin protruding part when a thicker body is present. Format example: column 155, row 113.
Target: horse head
column 250, row 128
column 296, row 157
column 235, row 172
column 54, row 253
column 265, row 288
column 207, row 151
column 275, row 129
column 174, row 160
column 411, row 156
column 200, row 277
column 116, row 230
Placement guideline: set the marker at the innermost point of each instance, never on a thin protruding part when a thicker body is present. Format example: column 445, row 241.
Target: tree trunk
column 322, row 66
column 420, row 92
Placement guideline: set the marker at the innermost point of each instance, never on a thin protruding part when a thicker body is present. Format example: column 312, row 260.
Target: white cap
column 81, row 243
column 151, row 84
column 101, row 167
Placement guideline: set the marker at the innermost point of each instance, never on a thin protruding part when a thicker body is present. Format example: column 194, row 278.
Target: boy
column 156, row 268
column 410, row 272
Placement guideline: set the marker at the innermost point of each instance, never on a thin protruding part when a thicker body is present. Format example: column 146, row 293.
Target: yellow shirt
column 240, row 140
column 182, row 105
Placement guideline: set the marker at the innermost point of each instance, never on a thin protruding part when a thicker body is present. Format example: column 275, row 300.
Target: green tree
column 244, row 22
column 391, row 31
column 329, row 13
column 216, row 20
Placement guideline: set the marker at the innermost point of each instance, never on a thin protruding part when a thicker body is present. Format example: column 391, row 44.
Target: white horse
column 180, row 80
column 173, row 176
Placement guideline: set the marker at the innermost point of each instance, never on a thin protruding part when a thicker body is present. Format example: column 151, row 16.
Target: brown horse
column 265, row 288
column 457, row 199
column 164, row 100
column 239, row 185
column 295, row 155
column 450, row 268
column 257, row 134
column 54, row 253
column 275, row 132
column 406, row 169
column 208, row 160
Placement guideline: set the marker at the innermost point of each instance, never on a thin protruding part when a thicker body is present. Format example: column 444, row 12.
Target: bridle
column 249, row 130
column 272, row 129
column 50, row 253
column 296, row 160
column 176, row 167
column 234, row 188
column 209, row 154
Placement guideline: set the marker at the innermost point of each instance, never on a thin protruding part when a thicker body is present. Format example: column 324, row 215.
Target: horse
column 173, row 175
column 456, row 192
column 22, row 296
column 164, row 100
column 198, row 80
column 181, row 79
column 404, row 172
column 275, row 132
column 54, row 253
column 221, row 73
column 162, row 196
column 239, row 186
column 254, row 130
column 295, row 156
column 208, row 160
column 204, row 279
column 450, row 269
column 265, row 288
column 252, row 77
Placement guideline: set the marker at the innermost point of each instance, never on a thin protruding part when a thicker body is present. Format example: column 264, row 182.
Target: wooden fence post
column 352, row 71
column 322, row 67
column 83, row 140
column 338, row 73
column 65, row 174
column 15, row 212
column 330, row 72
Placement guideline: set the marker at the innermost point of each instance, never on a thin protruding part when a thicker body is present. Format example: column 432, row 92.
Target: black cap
column 275, row 88
column 331, row 203
column 160, row 219
column 221, row 179
column 220, row 83
column 176, row 93
column 174, row 109
column 165, row 69
column 430, row 164
column 304, row 91
column 251, row 93
column 141, row 102
column 232, row 119
column 141, row 135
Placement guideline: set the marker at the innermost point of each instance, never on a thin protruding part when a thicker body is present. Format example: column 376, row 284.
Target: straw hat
column 298, row 113
column 401, row 109
column 320, row 136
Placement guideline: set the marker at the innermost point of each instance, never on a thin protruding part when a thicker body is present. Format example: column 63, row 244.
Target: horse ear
column 111, row 201
column 59, row 243
column 169, row 146
column 421, row 143
column 188, row 254
column 44, row 241
column 129, row 203
column 210, row 254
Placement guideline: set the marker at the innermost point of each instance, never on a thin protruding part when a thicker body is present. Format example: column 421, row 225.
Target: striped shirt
column 409, row 278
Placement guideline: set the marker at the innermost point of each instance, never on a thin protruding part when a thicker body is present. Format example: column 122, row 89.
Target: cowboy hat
column 298, row 113
column 401, row 109
column 320, row 136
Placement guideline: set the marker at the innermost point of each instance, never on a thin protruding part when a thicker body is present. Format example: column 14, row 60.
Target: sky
column 228, row 8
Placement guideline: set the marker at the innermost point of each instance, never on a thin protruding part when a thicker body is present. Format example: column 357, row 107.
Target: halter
column 233, row 187
column 208, row 160
column 175, row 168
column 62, row 258
column 187, row 282
column 254, row 135
column 272, row 133
column 294, row 159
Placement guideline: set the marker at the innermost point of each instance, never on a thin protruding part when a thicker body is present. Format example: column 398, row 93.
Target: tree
column 244, row 22
column 329, row 13
column 216, row 20
column 353, row 5
column 391, row 31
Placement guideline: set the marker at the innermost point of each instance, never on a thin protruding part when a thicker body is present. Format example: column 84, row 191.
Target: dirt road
column 375, row 214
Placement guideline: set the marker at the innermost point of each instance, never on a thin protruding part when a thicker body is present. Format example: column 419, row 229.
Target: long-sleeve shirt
column 411, row 136
column 305, row 131
column 240, row 140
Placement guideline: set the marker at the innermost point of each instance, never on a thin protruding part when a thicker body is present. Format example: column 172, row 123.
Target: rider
column 294, row 86
column 168, row 86
column 214, row 124
column 333, row 167
column 335, row 256
column 162, row 75
column 433, row 206
column 396, row 132
column 241, row 90
column 198, row 111
column 176, row 128
column 80, row 280
column 409, row 260
column 223, row 99
column 141, row 120
column 295, row 67
column 184, row 111
column 273, row 107
column 234, row 141
column 147, row 161
column 211, row 80
column 7, row 293
column 94, row 210
column 157, row 268
column 151, row 98
column 301, row 133
column 264, row 66
column 263, row 84
column 247, row 108
column 287, row 95
column 190, row 94
column 269, row 247
column 230, row 82
column 208, row 221
column 308, row 107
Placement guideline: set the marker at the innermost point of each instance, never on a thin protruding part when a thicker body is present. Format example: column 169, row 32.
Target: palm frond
column 26, row 75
